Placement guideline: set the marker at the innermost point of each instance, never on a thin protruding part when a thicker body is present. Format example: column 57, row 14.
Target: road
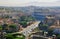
column 29, row 29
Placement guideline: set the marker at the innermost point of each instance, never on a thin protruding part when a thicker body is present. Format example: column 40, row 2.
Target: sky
column 29, row 2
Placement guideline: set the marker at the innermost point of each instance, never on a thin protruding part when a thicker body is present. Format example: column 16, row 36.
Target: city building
column 39, row 35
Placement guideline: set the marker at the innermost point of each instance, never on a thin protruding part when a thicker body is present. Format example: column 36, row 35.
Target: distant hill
column 33, row 9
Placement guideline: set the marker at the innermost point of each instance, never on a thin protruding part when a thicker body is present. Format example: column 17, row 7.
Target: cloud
column 29, row 2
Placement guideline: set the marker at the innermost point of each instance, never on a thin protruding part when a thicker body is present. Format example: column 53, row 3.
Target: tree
column 0, row 27
column 24, row 19
column 9, row 36
column 13, row 28
column 4, row 26
column 43, row 26
column 15, row 36
column 50, row 32
column 23, row 23
column 12, row 25
column 58, row 36
column 1, row 34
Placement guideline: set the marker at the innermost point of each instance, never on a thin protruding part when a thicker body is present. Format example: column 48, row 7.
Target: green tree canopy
column 0, row 27
column 15, row 36
column 12, row 25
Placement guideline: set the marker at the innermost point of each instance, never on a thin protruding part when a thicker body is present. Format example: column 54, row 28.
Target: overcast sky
column 29, row 2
